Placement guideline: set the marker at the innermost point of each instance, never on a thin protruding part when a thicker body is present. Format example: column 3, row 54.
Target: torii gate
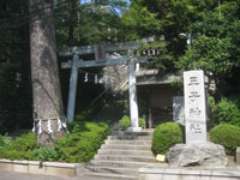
column 101, row 60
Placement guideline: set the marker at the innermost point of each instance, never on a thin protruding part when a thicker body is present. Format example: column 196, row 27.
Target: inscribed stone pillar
column 195, row 107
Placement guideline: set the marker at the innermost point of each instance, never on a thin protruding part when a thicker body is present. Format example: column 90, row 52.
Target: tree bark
column 49, row 120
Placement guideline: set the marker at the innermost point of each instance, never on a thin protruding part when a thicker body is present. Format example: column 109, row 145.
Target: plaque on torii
column 131, row 59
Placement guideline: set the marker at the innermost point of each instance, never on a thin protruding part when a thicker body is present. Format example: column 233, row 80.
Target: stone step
column 122, row 155
column 123, row 164
column 126, row 152
column 126, row 147
column 125, row 158
column 137, row 142
column 111, row 176
column 114, row 170
column 143, row 132
column 129, row 137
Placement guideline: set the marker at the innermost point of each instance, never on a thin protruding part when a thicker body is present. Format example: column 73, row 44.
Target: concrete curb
column 38, row 167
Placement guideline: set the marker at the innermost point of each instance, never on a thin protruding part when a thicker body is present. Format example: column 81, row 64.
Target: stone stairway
column 122, row 155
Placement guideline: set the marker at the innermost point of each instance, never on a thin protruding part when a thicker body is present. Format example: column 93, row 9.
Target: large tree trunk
column 48, row 114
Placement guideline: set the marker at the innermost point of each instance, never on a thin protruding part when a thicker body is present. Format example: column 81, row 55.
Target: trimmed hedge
column 227, row 135
column 20, row 148
column 125, row 122
column 80, row 145
column 166, row 135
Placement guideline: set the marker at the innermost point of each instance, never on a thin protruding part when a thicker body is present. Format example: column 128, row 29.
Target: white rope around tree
column 49, row 126
column 39, row 126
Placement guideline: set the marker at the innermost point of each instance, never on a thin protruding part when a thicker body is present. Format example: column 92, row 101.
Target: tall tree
column 73, row 6
column 84, row 23
column 47, row 100
column 215, row 43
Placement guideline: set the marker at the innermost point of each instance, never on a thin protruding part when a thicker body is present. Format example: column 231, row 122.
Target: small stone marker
column 195, row 107
column 161, row 158
column 178, row 110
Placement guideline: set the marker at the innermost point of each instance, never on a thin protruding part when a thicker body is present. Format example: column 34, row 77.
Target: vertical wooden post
column 133, row 97
column 72, row 89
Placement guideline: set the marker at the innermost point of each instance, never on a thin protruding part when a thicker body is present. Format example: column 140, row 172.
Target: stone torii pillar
column 133, row 104
column 72, row 92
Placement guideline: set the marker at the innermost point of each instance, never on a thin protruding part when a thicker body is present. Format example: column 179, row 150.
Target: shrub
column 20, row 148
column 166, row 135
column 125, row 122
column 24, row 142
column 81, row 146
column 142, row 122
column 226, row 111
column 227, row 135
column 211, row 111
column 4, row 141
column 15, row 155
column 45, row 154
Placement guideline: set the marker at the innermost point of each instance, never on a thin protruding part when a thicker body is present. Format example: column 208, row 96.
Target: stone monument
column 197, row 151
column 195, row 107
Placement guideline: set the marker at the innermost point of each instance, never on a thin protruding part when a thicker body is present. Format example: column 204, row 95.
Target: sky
column 117, row 10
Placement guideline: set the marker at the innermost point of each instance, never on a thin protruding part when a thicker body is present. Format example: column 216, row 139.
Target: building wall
column 159, row 101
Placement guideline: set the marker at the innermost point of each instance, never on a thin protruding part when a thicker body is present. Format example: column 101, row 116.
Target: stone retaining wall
column 37, row 167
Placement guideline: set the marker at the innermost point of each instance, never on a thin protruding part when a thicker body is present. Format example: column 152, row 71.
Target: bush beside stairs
column 122, row 155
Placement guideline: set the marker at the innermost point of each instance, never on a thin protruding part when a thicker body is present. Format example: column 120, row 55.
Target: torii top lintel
column 100, row 52
column 126, row 46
